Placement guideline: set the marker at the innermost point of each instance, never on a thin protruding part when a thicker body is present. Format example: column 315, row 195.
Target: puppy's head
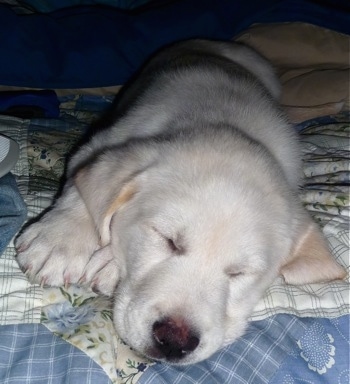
column 198, row 236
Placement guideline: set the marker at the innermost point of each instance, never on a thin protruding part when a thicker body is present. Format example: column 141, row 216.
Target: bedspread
column 294, row 315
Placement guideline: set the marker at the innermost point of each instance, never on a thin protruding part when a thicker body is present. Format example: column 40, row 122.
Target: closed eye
column 173, row 245
column 233, row 272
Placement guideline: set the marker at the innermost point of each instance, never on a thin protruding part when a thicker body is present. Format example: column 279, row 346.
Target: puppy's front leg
column 56, row 249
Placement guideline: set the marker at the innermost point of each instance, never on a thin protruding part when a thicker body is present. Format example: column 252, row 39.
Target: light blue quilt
column 282, row 349
column 278, row 348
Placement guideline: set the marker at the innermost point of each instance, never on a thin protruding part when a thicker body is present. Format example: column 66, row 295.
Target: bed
column 297, row 335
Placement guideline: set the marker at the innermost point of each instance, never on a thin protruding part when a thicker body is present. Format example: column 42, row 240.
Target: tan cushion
column 312, row 62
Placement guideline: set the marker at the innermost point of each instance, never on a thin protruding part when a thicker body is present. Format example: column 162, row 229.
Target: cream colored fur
column 185, row 210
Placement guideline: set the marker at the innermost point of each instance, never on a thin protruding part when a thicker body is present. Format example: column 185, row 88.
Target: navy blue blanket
column 96, row 46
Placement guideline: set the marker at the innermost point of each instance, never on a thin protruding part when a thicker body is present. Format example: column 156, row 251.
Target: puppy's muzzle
column 173, row 339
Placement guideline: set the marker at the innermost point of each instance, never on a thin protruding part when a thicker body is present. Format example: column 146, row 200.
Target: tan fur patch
column 311, row 261
column 123, row 197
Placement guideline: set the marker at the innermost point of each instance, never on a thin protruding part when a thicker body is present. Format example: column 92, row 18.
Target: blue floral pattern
column 289, row 379
column 344, row 377
column 135, row 368
column 317, row 348
column 84, row 319
column 65, row 318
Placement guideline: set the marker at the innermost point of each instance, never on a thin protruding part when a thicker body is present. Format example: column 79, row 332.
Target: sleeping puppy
column 185, row 209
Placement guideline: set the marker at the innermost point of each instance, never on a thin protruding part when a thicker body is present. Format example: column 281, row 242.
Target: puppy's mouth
column 173, row 340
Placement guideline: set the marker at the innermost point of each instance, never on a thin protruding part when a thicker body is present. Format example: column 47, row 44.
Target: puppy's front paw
column 55, row 250
column 102, row 272
column 105, row 281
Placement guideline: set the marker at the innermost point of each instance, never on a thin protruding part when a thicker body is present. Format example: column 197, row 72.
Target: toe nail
column 20, row 248
column 26, row 269
column 94, row 287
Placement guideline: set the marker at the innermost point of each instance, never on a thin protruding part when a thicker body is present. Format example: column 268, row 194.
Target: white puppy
column 185, row 209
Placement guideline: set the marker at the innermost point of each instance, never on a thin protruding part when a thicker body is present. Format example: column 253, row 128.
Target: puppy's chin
column 153, row 353
column 191, row 358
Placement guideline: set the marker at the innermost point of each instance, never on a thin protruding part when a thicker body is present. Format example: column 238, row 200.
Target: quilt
column 288, row 325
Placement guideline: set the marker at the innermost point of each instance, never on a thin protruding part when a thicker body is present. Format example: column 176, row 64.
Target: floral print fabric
column 84, row 320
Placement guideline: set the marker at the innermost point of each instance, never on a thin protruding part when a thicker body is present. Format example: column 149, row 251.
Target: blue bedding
column 102, row 46
column 279, row 349
column 30, row 353
column 282, row 349
column 82, row 47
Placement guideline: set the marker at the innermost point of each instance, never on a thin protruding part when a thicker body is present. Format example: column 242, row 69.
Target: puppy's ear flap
column 310, row 260
column 104, row 192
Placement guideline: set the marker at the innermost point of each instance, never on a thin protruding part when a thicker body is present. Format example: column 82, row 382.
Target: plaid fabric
column 20, row 302
column 254, row 358
column 326, row 153
column 282, row 349
column 30, row 353
column 44, row 145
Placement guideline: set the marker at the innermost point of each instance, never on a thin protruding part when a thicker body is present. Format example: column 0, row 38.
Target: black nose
column 173, row 338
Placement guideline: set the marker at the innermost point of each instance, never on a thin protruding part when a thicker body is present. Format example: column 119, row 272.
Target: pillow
column 312, row 63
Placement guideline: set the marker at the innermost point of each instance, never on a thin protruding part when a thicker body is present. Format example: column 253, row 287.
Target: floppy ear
column 103, row 195
column 310, row 260
column 111, row 180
